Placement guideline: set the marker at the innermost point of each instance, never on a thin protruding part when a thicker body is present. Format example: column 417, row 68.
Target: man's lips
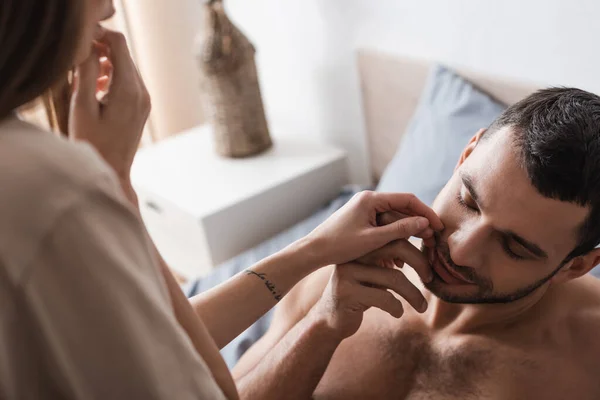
column 441, row 262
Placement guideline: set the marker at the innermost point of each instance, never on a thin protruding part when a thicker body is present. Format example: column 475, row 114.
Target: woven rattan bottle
column 230, row 87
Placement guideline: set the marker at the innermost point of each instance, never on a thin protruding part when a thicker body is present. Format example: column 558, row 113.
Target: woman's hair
column 38, row 44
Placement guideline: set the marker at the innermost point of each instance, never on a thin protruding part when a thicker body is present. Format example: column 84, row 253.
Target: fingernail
column 429, row 277
column 422, row 223
column 423, row 307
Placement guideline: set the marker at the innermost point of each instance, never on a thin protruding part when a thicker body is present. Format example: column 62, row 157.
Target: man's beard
column 485, row 293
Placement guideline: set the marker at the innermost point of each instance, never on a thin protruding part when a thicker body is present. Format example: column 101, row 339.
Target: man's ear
column 578, row 266
column 470, row 147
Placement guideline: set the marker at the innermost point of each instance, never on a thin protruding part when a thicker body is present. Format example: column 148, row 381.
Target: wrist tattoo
column 270, row 286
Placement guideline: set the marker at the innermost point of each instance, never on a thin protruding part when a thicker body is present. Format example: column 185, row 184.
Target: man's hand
column 354, row 288
column 114, row 124
column 398, row 253
column 353, row 231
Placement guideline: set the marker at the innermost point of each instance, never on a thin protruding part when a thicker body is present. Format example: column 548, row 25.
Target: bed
column 391, row 87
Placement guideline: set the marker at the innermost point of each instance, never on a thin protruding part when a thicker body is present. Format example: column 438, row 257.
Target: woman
column 88, row 307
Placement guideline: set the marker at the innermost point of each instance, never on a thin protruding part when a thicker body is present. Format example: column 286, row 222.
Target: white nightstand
column 202, row 209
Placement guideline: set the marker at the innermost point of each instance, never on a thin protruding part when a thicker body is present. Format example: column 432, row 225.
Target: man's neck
column 471, row 318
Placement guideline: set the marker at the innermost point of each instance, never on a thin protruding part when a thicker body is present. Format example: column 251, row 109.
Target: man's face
column 502, row 239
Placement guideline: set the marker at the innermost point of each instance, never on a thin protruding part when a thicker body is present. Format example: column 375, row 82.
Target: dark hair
column 557, row 132
column 38, row 42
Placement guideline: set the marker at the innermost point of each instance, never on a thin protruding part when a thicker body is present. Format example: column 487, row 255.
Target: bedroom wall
column 306, row 51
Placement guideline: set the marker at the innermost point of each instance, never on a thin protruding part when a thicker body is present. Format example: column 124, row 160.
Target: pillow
column 450, row 111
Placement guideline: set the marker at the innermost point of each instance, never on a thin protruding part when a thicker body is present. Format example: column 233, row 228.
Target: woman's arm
column 114, row 129
column 188, row 319
column 253, row 292
column 97, row 310
column 347, row 235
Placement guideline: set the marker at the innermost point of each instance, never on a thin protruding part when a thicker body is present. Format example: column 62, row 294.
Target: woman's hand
column 113, row 124
column 401, row 251
column 354, row 231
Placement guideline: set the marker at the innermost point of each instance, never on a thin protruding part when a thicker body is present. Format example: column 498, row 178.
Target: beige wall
column 161, row 34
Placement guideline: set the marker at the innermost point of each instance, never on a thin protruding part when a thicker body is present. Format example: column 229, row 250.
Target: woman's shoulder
column 38, row 156
column 42, row 176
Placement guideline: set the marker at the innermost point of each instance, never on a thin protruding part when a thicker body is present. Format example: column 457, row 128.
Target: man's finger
column 391, row 279
column 408, row 204
column 86, row 77
column 402, row 251
column 380, row 298
column 429, row 242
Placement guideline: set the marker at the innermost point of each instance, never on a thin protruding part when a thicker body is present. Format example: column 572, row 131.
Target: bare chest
column 379, row 364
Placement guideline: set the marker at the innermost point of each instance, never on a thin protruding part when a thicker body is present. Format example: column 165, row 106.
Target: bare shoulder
column 42, row 176
column 584, row 317
column 585, row 293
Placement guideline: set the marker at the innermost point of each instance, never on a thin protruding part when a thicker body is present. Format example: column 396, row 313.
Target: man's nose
column 467, row 244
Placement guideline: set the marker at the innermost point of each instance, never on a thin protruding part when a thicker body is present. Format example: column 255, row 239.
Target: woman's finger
column 427, row 233
column 401, row 229
column 389, row 217
column 106, row 67
column 124, row 72
column 86, row 78
column 407, row 204
column 102, row 85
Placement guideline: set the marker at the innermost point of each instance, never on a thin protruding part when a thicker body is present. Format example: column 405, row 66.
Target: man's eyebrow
column 467, row 180
column 532, row 247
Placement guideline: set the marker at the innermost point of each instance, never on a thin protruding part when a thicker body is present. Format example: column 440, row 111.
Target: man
column 511, row 312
